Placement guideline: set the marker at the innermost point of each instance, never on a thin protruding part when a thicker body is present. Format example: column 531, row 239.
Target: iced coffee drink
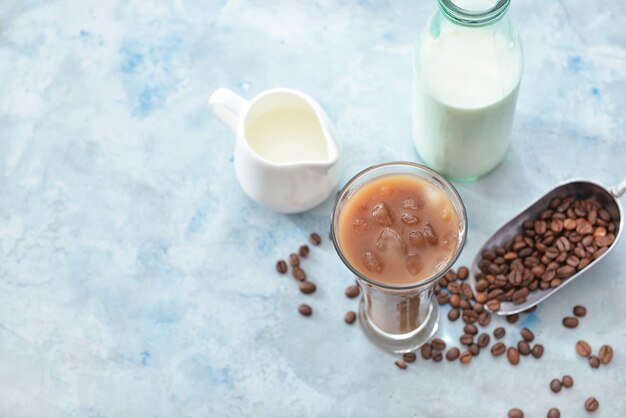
column 399, row 227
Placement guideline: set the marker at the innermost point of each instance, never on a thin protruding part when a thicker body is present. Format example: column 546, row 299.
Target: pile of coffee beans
column 564, row 239
column 298, row 273
column 605, row 355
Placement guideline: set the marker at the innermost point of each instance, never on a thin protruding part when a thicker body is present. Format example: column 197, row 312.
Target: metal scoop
column 608, row 198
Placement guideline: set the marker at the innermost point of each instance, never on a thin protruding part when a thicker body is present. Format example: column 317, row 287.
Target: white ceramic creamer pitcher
column 285, row 156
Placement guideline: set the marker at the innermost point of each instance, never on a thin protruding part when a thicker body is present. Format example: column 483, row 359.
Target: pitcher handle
column 227, row 106
column 619, row 190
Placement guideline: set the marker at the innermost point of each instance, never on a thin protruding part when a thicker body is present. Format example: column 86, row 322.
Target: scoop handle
column 619, row 190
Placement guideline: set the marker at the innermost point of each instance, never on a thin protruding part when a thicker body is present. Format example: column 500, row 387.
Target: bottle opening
column 474, row 12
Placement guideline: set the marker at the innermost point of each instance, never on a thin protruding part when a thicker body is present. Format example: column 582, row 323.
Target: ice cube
column 409, row 218
column 450, row 240
column 441, row 263
column 385, row 190
column 390, row 239
column 371, row 262
column 446, row 215
column 413, row 263
column 417, row 238
column 430, row 234
column 413, row 203
column 381, row 214
column 360, row 224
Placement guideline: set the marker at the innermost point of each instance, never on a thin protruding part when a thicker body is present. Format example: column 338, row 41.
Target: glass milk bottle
column 468, row 68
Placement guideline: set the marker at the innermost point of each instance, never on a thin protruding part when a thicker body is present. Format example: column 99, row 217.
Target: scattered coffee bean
column 555, row 385
column 499, row 332
column 606, row 354
column 527, row 334
column 579, row 311
column 350, row 317
column 570, row 322
column 523, row 347
column 352, row 291
column 303, row 251
column 409, row 357
column 443, row 298
column 554, row 413
column 437, row 356
column 454, row 314
column 493, row 305
column 592, row 404
column 583, row 348
column 305, row 310
column 426, row 351
column 294, row 260
column 567, row 381
column 315, row 238
column 466, row 339
column 281, row 266
column 463, row 273
column 453, row 354
column 537, row 351
column 438, row 344
column 298, row 274
column 483, row 340
column 465, row 357
column 470, row 329
column 307, row 287
column 516, row 413
column 594, row 362
column 513, row 355
column 484, row 319
column 511, row 319
column 498, row 349
column 401, row 364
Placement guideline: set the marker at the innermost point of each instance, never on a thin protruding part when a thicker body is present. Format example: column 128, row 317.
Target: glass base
column 400, row 343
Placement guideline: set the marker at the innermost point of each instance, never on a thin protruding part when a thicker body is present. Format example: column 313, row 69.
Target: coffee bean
column 437, row 356
column 594, row 362
column 401, row 364
column 511, row 319
column 305, row 310
column 465, row 357
column 580, row 311
column 303, row 251
column 443, row 298
column 554, row 413
column 483, row 340
column 454, row 314
column 298, row 274
column 470, row 329
column 466, row 291
column 455, row 301
column 484, row 319
column 474, row 349
column 307, row 287
column 537, row 351
column 555, row 385
column 454, row 288
column 465, row 304
column 498, row 349
column 570, row 322
column 493, row 305
column 527, row 334
column 315, row 238
column 466, row 339
column 469, row 316
column 567, row 381
column 426, row 351
column 294, row 260
column 409, row 357
column 513, row 355
column 281, row 266
column 499, row 332
column 352, row 291
column 350, row 317
column 463, row 273
column 523, row 347
column 438, row 344
column 453, row 354
column 606, row 354
column 592, row 404
column 516, row 413
column 583, row 348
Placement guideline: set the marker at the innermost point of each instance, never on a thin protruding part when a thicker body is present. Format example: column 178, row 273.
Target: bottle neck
column 473, row 17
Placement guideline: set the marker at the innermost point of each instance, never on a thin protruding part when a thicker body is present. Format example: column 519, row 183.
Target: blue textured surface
column 137, row 280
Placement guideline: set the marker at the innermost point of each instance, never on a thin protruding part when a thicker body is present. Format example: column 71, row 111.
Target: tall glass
column 399, row 318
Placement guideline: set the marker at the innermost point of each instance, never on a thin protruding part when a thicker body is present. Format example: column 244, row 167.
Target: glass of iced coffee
column 398, row 227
